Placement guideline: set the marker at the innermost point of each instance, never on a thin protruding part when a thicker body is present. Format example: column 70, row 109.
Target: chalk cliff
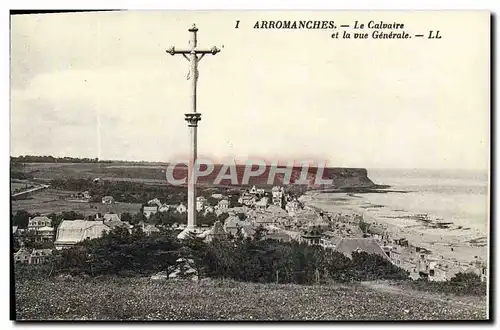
column 341, row 178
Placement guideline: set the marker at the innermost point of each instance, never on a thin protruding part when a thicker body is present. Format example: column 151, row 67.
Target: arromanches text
column 294, row 25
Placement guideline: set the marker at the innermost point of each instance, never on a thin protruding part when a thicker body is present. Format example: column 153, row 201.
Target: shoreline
column 439, row 237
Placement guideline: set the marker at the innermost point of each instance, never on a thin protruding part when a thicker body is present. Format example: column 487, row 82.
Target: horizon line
column 240, row 163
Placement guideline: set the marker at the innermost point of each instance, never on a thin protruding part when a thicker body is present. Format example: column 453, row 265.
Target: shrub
column 122, row 253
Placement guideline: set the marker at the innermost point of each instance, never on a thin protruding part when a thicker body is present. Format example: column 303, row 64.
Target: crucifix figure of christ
column 194, row 56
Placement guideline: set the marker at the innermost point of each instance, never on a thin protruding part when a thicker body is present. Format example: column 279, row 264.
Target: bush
column 372, row 267
column 461, row 284
column 119, row 252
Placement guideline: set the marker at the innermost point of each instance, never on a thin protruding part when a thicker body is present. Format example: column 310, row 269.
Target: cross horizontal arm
column 172, row 51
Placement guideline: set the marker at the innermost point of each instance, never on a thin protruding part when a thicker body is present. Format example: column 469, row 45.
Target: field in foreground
column 113, row 298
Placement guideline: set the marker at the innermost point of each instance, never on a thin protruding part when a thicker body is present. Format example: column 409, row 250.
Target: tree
column 364, row 226
column 72, row 215
column 21, row 219
column 223, row 216
column 136, row 218
column 56, row 219
column 126, row 217
column 30, row 241
column 466, row 278
column 260, row 232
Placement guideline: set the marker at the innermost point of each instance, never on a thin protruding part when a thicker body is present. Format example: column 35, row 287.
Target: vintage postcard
column 250, row 165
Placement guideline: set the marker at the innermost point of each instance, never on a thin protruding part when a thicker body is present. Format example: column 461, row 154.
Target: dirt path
column 457, row 301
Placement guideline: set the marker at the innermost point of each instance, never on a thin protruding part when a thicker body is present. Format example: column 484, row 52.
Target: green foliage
column 260, row 232
column 168, row 218
column 264, row 260
column 120, row 252
column 126, row 217
column 20, row 175
column 29, row 240
column 466, row 278
column 21, row 219
column 461, row 284
column 372, row 267
column 136, row 218
column 223, row 216
column 364, row 226
column 51, row 159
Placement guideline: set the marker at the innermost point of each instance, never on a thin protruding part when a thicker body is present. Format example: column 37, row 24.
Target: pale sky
column 101, row 85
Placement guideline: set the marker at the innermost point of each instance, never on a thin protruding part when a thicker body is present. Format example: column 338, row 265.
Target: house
column 40, row 256
column 349, row 245
column 154, row 202
column 319, row 223
column 208, row 209
column 149, row 210
column 217, row 231
column 263, row 220
column 45, row 234
column 181, row 208
column 247, row 200
column 253, row 191
column 39, row 222
column 262, row 203
column 111, row 217
column 387, row 250
column 149, row 229
column 83, row 196
column 233, row 224
column 278, row 236
column 113, row 221
column 164, row 208
column 278, row 194
column 34, row 257
column 201, row 202
column 291, row 207
column 71, row 232
column 223, row 205
column 108, row 200
column 22, row 256
column 312, row 237
column 326, row 243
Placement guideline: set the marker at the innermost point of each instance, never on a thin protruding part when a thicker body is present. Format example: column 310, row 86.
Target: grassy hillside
column 155, row 174
column 112, row 298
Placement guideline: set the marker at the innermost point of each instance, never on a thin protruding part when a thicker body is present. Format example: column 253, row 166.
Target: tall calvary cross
column 193, row 55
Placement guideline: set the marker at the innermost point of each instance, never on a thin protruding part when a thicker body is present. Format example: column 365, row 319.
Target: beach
column 446, row 214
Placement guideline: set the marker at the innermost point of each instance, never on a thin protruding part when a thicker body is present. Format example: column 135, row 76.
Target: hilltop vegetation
column 119, row 253
column 51, row 159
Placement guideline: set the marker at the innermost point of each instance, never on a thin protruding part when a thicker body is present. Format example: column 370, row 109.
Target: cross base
column 190, row 231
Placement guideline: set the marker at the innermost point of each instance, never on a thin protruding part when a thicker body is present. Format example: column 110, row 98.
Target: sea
column 457, row 196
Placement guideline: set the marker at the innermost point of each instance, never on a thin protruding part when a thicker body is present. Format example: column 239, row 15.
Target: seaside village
column 282, row 216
